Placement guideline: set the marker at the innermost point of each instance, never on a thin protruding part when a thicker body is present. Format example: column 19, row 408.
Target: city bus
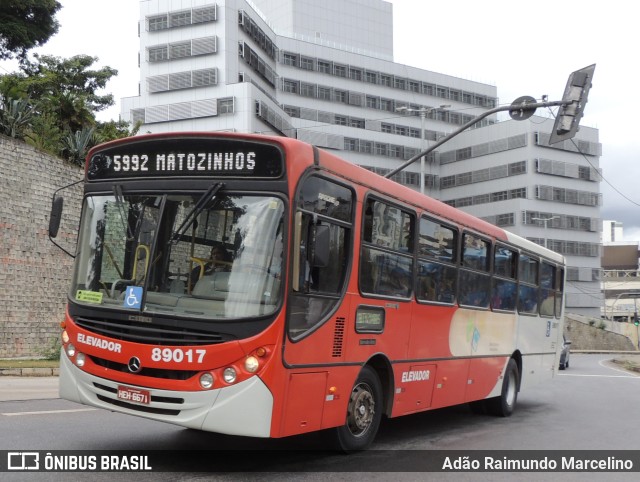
column 342, row 296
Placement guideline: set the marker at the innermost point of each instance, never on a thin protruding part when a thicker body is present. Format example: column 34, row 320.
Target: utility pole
column 422, row 111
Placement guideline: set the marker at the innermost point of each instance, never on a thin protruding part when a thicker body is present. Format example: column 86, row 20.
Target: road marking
column 46, row 412
column 597, row 376
column 602, row 364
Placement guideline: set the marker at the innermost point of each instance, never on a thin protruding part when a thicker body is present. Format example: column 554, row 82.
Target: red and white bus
column 340, row 296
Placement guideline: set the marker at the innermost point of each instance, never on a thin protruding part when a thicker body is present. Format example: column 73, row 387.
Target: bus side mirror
column 321, row 246
column 56, row 216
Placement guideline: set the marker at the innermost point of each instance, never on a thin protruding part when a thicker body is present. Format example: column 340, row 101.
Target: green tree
column 25, row 24
column 63, row 119
column 112, row 130
column 54, row 77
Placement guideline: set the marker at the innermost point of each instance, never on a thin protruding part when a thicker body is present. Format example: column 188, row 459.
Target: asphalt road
column 590, row 407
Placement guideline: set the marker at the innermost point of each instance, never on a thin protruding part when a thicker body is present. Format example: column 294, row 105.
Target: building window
column 350, row 144
column 518, row 193
column 225, row 106
column 180, row 50
column 371, row 77
column 158, row 54
column 307, row 90
column 306, row 63
column 387, row 104
column 290, row 86
column 339, row 70
column 324, row 67
column 357, row 122
column 159, row 22
column 324, row 93
column 290, row 59
column 340, row 120
column 340, row 96
column 355, row 74
column 400, row 83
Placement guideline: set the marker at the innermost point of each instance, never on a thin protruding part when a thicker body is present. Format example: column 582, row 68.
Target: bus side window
column 547, row 289
column 386, row 261
column 474, row 279
column 505, row 269
column 528, row 290
column 437, row 245
column 322, row 236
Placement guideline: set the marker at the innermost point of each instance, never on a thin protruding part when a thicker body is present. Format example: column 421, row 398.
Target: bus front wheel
column 504, row 405
column 364, row 413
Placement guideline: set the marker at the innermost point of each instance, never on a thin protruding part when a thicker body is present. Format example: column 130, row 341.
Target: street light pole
column 422, row 112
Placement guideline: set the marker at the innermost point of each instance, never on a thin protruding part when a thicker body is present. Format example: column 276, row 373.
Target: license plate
column 130, row 394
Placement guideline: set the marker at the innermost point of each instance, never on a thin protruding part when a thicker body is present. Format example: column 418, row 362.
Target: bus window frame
column 295, row 290
column 410, row 255
column 527, row 284
column 446, row 264
column 485, row 272
column 553, row 288
column 495, row 278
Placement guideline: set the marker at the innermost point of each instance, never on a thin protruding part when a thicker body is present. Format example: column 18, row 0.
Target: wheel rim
column 362, row 407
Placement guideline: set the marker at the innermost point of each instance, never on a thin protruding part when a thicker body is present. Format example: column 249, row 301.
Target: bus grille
column 147, row 372
column 150, row 334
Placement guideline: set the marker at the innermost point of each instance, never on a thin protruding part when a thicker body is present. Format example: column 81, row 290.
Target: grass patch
column 28, row 363
column 627, row 364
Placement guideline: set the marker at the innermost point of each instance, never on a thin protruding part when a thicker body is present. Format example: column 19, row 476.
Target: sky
column 521, row 47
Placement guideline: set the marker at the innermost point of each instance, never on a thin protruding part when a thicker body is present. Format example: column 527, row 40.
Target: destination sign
column 186, row 157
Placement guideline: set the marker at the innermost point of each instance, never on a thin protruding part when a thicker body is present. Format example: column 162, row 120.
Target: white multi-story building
column 323, row 72
column 612, row 231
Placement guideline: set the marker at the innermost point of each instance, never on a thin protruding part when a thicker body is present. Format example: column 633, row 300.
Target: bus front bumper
column 243, row 409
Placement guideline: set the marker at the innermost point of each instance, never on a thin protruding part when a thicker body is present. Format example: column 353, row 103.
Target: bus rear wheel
column 504, row 405
column 364, row 413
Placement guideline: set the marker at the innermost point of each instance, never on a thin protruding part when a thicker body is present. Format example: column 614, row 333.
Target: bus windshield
column 217, row 255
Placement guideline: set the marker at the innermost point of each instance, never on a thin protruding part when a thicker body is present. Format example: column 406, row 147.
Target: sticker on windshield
column 89, row 296
column 133, row 297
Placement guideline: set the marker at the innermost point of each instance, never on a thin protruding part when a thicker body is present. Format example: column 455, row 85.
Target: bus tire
column 504, row 405
column 364, row 412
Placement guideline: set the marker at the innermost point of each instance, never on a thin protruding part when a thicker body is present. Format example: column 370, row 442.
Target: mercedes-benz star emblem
column 134, row 365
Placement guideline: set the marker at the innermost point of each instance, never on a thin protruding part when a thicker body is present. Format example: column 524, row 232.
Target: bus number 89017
column 177, row 355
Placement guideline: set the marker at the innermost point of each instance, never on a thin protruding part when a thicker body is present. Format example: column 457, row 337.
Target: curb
column 30, row 372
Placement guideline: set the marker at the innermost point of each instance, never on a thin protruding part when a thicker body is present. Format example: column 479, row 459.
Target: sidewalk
column 28, row 387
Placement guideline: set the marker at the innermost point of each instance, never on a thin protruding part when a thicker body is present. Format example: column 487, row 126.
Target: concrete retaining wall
column 34, row 274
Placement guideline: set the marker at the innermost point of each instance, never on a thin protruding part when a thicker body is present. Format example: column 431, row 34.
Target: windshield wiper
column 192, row 215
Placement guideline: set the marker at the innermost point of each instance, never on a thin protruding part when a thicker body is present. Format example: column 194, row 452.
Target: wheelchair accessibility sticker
column 133, row 297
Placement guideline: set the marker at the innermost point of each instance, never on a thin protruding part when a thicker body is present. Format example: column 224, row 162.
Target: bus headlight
column 251, row 364
column 230, row 375
column 206, row 381
column 71, row 350
column 80, row 359
column 65, row 337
